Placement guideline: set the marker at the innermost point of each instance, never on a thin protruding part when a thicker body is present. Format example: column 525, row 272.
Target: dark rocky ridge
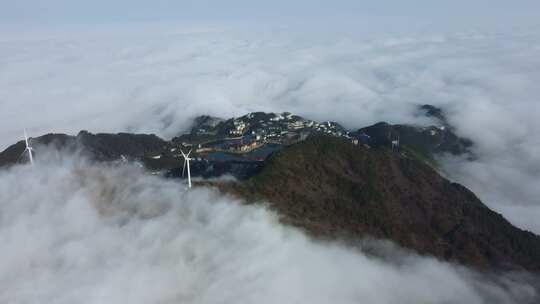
column 432, row 111
column 423, row 143
column 99, row 147
column 334, row 189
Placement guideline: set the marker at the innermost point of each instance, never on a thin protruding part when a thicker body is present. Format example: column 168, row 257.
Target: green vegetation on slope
column 332, row 188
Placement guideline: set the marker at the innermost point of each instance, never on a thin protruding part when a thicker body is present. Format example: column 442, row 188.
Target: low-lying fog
column 72, row 232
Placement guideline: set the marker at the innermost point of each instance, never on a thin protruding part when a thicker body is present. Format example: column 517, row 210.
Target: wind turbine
column 186, row 161
column 28, row 149
column 395, row 144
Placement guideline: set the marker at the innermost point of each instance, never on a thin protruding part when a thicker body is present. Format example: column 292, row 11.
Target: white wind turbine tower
column 28, row 149
column 186, row 161
column 395, row 144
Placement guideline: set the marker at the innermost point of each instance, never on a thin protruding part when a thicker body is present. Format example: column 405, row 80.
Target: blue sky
column 456, row 13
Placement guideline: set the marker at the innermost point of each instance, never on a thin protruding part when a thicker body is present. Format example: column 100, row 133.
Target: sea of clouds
column 157, row 79
column 74, row 232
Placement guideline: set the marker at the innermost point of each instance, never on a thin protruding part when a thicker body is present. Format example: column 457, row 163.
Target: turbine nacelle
column 186, row 156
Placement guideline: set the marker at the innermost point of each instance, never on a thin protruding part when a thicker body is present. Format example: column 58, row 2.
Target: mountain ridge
column 332, row 182
column 333, row 189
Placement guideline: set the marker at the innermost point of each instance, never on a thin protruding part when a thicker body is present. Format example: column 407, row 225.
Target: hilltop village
column 237, row 146
column 255, row 132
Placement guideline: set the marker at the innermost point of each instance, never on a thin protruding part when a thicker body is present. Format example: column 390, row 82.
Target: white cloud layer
column 79, row 233
column 156, row 79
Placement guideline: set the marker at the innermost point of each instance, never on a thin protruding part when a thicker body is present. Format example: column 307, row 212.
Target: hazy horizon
column 362, row 15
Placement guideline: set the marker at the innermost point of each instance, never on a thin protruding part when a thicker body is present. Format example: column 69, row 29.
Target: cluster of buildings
column 238, row 129
column 249, row 132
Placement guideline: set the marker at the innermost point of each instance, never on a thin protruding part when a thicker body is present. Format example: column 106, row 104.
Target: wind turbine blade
column 188, row 174
column 189, row 152
column 25, row 138
column 184, row 168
